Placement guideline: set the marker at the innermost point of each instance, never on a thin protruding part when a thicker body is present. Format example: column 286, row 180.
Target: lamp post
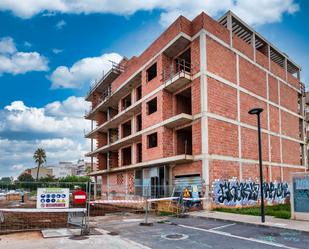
column 257, row 111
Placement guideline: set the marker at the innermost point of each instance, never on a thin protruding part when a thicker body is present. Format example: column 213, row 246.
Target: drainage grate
column 78, row 237
column 175, row 236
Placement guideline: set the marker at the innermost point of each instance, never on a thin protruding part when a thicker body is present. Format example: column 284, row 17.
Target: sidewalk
column 254, row 220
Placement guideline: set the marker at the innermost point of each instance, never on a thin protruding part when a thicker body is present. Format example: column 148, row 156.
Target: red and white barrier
column 142, row 201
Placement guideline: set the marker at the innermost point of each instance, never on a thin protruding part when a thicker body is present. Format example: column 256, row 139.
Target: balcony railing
column 116, row 68
column 105, row 95
column 175, row 69
column 177, row 75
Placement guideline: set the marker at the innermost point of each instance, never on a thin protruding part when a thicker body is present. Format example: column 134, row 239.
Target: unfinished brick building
column 178, row 113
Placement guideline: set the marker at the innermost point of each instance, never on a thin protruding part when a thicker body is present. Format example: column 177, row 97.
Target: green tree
column 75, row 179
column 6, row 180
column 40, row 158
column 48, row 178
column 25, row 177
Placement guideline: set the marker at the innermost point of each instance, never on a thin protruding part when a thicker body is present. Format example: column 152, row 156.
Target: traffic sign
column 79, row 197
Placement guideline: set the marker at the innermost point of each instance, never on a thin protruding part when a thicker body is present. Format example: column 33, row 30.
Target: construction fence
column 28, row 206
column 157, row 199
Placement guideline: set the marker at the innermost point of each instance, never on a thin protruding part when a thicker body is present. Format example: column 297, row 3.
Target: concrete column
column 269, row 60
column 229, row 25
column 204, row 119
column 238, row 117
column 253, row 45
column 133, row 153
column 286, row 68
column 133, row 125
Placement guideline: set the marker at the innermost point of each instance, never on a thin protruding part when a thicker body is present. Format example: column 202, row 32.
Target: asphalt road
column 196, row 233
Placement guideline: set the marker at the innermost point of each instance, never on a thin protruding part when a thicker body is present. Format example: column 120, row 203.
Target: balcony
column 136, row 137
column 178, row 120
column 113, row 99
column 172, row 122
column 117, row 119
column 176, row 77
column 106, row 79
column 307, row 116
column 178, row 159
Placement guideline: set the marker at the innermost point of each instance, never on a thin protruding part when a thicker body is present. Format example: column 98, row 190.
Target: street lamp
column 257, row 111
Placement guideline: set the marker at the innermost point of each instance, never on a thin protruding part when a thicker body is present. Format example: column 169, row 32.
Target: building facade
column 178, row 113
column 64, row 169
column 43, row 172
column 82, row 167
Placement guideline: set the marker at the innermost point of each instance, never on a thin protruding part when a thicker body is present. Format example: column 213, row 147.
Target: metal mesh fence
column 23, row 208
column 167, row 199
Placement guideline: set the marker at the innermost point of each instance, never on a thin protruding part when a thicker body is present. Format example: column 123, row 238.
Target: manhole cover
column 113, row 233
column 78, row 237
column 175, row 236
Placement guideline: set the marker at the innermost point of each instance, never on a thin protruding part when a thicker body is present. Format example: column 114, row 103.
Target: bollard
column 146, row 223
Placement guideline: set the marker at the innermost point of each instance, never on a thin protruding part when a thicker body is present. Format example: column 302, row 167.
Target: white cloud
column 55, row 119
column 83, row 71
column 74, row 106
column 60, row 123
column 57, row 50
column 17, row 167
column 254, row 11
column 7, row 45
column 17, row 155
column 14, row 62
column 61, row 24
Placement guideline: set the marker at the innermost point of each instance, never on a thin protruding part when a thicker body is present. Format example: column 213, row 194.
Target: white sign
column 53, row 198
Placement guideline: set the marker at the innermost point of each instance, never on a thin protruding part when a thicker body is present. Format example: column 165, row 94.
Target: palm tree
column 40, row 158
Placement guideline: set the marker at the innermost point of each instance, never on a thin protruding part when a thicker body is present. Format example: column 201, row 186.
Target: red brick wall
column 222, row 138
column 262, row 59
column 290, row 152
column 246, row 103
column 196, row 138
column 102, row 161
column 288, row 97
column 275, row 149
column 274, row 118
column 243, row 47
column 277, row 70
column 187, row 169
column 249, row 144
column 220, row 60
column 276, row 173
column 101, row 139
column 222, row 99
column 223, row 170
column 273, row 89
column 253, row 171
column 290, row 125
column 293, row 80
column 196, row 96
column 101, row 117
column 252, row 78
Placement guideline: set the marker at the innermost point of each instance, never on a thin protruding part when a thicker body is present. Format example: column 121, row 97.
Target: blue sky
column 50, row 52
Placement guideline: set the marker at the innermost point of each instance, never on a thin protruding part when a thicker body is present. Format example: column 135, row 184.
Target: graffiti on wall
column 240, row 193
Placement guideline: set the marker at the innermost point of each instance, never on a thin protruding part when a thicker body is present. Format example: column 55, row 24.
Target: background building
column 82, row 167
column 43, row 172
column 64, row 169
column 178, row 113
